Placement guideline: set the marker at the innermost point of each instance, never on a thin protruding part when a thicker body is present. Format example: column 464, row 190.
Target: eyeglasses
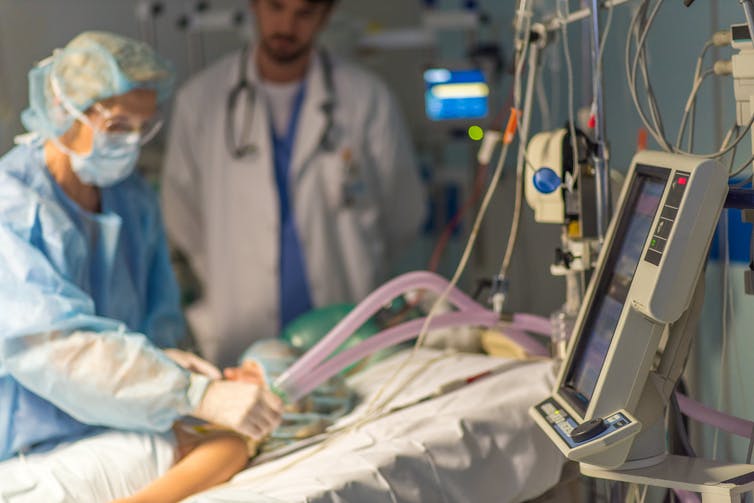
column 125, row 129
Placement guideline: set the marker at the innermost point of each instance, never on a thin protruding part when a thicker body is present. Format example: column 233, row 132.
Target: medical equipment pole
column 534, row 49
column 600, row 163
column 146, row 14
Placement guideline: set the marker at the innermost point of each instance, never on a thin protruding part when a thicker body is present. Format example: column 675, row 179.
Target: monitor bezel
column 599, row 284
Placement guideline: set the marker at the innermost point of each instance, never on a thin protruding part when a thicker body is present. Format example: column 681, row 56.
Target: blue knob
column 546, row 180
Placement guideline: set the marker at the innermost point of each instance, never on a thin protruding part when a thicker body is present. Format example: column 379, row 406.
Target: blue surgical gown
column 85, row 300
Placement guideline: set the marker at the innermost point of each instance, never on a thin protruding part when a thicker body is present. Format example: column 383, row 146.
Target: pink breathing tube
column 314, row 367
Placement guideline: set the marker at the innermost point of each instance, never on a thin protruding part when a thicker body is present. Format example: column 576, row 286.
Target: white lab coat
column 224, row 213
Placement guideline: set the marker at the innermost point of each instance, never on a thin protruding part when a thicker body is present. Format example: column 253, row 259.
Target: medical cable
column 605, row 32
column 640, row 32
column 641, row 56
column 654, row 108
column 689, row 111
column 741, row 168
column 599, row 70
column 580, row 14
column 643, row 496
column 500, row 297
column 720, row 68
column 697, row 73
column 659, row 136
column 515, row 223
column 636, row 30
column 525, row 41
column 630, row 34
column 510, row 131
column 545, row 114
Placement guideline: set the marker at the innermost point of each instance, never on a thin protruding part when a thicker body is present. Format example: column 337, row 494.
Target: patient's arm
column 207, row 462
column 211, row 462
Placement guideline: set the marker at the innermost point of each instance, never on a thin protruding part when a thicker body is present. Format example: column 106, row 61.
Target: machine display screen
column 606, row 305
column 455, row 94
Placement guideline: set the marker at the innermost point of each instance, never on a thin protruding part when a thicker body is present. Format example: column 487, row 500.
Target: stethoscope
column 238, row 149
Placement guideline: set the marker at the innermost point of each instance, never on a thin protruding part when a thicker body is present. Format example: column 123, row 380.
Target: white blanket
column 473, row 444
column 97, row 469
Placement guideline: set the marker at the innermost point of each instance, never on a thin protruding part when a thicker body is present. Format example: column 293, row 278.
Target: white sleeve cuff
column 197, row 387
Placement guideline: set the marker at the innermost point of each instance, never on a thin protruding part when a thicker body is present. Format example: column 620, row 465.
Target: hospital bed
column 472, row 444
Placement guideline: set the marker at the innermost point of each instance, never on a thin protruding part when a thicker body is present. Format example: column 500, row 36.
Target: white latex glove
column 191, row 362
column 244, row 407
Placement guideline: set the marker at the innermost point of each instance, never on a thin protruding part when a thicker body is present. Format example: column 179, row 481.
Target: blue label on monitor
column 455, row 94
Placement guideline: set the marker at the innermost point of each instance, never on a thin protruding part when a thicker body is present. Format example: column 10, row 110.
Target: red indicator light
column 682, row 180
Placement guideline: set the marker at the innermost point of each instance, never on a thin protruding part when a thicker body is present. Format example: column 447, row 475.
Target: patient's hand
column 249, row 371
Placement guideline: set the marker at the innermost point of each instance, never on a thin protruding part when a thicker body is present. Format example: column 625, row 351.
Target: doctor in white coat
column 289, row 183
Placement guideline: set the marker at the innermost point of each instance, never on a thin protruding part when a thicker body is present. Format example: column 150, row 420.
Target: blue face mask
column 106, row 164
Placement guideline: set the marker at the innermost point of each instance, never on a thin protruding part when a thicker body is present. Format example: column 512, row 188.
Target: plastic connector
column 491, row 138
column 723, row 67
column 722, row 38
column 499, row 291
column 510, row 129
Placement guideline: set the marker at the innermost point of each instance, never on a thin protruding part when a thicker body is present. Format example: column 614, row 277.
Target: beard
column 284, row 49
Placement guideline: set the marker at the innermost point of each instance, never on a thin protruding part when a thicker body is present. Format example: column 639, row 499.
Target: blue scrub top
column 295, row 298
column 59, row 264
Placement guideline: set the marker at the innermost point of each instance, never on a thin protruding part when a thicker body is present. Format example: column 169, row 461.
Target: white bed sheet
column 475, row 444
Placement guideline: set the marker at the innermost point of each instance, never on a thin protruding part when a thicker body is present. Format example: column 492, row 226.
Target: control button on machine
column 663, row 228
column 589, row 430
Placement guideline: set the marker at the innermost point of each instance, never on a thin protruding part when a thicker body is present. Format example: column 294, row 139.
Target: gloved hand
column 191, row 362
column 247, row 408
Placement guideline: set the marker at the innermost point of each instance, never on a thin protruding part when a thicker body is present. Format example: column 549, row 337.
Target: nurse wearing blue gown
column 88, row 300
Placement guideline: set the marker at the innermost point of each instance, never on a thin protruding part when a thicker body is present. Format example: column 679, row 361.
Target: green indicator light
column 476, row 133
column 654, row 242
